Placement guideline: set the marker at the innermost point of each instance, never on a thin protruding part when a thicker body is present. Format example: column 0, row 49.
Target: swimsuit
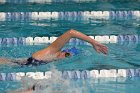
column 33, row 61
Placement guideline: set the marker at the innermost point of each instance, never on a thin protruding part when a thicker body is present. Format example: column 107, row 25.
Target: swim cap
column 72, row 51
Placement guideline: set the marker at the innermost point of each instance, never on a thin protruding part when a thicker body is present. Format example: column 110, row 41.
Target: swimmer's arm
column 5, row 61
column 58, row 44
column 27, row 91
column 19, row 91
column 63, row 39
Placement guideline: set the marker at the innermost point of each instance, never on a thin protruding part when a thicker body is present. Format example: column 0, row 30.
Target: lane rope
column 112, row 73
column 74, row 15
column 38, row 40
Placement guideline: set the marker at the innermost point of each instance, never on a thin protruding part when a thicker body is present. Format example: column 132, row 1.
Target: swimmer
column 53, row 51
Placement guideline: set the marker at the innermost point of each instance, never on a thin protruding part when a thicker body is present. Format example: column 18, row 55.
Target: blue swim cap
column 72, row 51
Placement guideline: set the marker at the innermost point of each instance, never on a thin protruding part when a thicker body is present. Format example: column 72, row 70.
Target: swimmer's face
column 63, row 54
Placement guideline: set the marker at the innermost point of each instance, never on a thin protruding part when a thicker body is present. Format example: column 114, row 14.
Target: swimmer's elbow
column 71, row 32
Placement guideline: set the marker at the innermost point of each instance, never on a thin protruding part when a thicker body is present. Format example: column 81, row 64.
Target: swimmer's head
column 63, row 54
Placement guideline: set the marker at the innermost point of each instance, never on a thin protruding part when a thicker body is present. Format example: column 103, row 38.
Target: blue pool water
column 23, row 19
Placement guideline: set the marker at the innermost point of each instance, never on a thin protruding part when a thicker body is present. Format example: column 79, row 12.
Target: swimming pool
column 26, row 27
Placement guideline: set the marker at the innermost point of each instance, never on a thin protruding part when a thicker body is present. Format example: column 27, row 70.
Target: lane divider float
column 38, row 40
column 112, row 73
column 74, row 15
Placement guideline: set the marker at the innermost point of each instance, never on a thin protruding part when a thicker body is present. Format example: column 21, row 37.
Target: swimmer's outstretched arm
column 27, row 91
column 10, row 61
column 23, row 91
column 63, row 39
column 56, row 46
column 5, row 61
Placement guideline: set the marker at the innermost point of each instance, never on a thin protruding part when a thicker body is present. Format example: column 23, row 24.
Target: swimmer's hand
column 100, row 48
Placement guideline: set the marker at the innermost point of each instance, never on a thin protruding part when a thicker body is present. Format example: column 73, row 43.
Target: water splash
column 56, row 84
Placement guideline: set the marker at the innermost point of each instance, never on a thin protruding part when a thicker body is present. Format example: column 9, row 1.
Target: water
column 55, row 27
column 26, row 19
column 70, row 6
column 56, row 84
